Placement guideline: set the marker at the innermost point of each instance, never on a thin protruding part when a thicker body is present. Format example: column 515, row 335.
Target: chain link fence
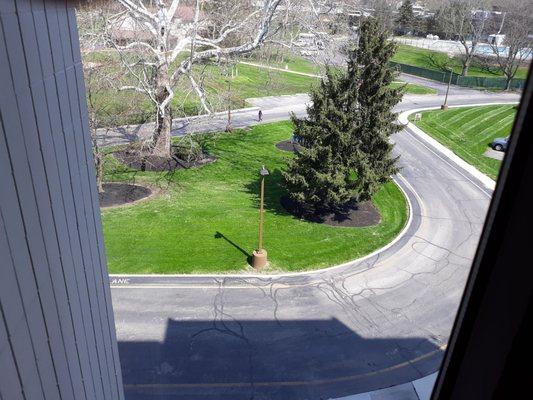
column 466, row 81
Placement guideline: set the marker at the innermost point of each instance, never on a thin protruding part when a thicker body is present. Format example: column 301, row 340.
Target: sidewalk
column 289, row 71
column 198, row 124
column 416, row 390
column 275, row 108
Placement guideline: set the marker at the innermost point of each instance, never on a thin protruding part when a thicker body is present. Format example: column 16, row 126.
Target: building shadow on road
column 258, row 359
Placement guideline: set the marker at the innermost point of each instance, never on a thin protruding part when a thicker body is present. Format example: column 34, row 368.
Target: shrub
column 188, row 149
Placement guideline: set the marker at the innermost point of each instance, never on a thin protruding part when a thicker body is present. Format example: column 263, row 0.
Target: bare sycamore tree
column 444, row 64
column 297, row 17
column 517, row 44
column 99, row 76
column 95, row 79
column 465, row 21
column 103, row 117
column 384, row 11
column 313, row 19
column 168, row 37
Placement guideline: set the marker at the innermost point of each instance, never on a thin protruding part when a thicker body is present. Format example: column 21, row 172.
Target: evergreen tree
column 319, row 177
column 434, row 26
column 346, row 153
column 375, row 102
column 406, row 18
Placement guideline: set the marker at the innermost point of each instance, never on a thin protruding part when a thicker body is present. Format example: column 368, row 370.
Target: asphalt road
column 366, row 325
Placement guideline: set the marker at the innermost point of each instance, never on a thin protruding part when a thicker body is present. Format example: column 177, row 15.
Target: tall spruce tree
column 346, row 153
column 376, row 100
column 319, row 176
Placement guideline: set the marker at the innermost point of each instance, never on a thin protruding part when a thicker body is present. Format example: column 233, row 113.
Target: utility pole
column 445, row 105
column 259, row 256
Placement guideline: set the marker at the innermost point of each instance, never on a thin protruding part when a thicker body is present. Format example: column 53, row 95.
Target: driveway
column 365, row 325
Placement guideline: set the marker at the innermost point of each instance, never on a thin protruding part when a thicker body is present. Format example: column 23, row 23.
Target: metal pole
column 261, row 214
column 445, row 105
column 228, row 127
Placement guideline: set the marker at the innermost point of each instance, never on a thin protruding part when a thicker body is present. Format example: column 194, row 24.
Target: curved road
column 362, row 326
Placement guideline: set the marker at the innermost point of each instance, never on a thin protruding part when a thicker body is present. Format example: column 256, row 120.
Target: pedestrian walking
column 260, row 115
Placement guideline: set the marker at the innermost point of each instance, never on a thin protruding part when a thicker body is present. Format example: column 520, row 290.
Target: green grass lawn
column 413, row 88
column 420, row 57
column 176, row 230
column 301, row 64
column 467, row 131
column 127, row 107
column 250, row 82
column 279, row 58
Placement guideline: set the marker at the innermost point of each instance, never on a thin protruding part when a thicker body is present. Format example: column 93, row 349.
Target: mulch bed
column 287, row 145
column 352, row 215
column 116, row 194
column 140, row 162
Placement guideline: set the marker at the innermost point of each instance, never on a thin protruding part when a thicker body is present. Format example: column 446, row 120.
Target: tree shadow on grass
column 274, row 190
column 277, row 201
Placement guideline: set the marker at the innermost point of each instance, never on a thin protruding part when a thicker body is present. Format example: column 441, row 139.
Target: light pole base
column 259, row 259
column 444, row 107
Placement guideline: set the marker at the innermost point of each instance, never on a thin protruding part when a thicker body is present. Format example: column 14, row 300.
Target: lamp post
column 259, row 256
column 445, row 105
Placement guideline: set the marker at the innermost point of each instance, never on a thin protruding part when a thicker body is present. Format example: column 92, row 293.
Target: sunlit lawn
column 420, row 57
column 205, row 220
column 127, row 107
column 467, row 131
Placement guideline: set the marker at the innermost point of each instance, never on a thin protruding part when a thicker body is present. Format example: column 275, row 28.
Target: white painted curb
column 419, row 389
column 403, row 118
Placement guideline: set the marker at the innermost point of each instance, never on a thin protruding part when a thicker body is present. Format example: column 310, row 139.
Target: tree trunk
column 98, row 162
column 161, row 138
column 99, row 173
column 466, row 65
column 508, row 82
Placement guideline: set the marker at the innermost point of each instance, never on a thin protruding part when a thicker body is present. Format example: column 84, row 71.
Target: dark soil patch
column 287, row 145
column 352, row 215
column 116, row 194
column 142, row 162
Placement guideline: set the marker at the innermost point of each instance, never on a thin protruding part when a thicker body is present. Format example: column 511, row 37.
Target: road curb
column 288, row 71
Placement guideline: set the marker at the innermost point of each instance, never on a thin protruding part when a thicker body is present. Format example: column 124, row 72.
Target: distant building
column 496, row 39
column 419, row 10
column 126, row 29
column 310, row 43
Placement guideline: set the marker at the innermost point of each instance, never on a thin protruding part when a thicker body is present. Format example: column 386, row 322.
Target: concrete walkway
column 288, row 71
column 419, row 389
